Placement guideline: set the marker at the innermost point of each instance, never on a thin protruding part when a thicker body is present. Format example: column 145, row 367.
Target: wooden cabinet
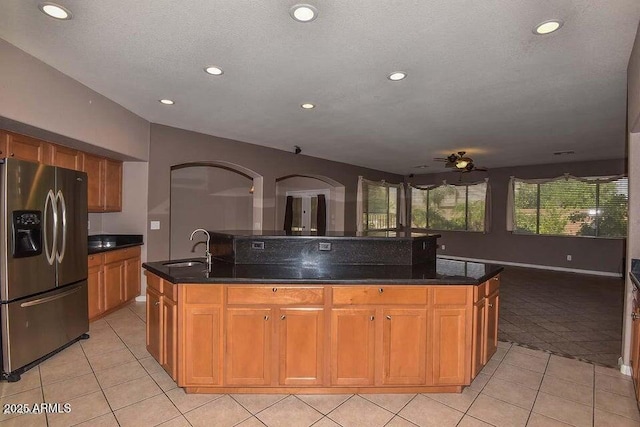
column 23, row 147
column 301, row 340
column 113, row 280
column 105, row 183
column 95, row 285
column 485, row 323
column 394, row 315
column 449, row 340
column 248, row 346
column 162, row 323
column 200, row 346
column 353, row 346
column 635, row 343
column 64, row 157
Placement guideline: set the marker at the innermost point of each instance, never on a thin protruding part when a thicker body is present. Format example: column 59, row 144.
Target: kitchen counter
column 446, row 272
column 98, row 243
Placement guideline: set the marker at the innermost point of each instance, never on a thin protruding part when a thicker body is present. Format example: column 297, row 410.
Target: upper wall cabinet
column 23, row 147
column 105, row 183
column 104, row 175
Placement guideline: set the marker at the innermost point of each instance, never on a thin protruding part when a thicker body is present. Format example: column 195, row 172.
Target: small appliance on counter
column 43, row 262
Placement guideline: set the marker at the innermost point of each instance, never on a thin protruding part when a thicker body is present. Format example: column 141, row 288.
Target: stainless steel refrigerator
column 43, row 262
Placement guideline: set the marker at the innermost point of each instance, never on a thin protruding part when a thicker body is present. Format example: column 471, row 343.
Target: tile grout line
column 546, row 367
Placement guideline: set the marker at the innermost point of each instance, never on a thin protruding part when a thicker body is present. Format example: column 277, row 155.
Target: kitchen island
column 324, row 327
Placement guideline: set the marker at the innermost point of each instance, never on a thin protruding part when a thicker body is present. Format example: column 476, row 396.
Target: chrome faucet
column 206, row 253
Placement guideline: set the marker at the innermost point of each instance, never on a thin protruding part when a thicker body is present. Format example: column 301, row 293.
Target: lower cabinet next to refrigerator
column 113, row 280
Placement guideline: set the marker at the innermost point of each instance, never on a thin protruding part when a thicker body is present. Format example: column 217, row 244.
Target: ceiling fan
column 459, row 162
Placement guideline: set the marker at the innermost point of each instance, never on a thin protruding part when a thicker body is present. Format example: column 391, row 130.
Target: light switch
column 155, row 225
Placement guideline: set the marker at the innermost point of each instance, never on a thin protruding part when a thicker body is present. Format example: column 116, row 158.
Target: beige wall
column 171, row 146
column 207, row 197
column 633, row 240
column 35, row 94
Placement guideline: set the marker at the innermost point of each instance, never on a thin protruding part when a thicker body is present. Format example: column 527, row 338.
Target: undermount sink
column 183, row 263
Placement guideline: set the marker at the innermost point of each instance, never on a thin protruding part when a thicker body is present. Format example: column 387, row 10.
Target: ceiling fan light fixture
column 55, row 11
column 303, row 12
column 547, row 27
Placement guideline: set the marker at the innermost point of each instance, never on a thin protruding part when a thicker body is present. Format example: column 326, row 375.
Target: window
column 571, row 207
column 380, row 206
column 449, row 207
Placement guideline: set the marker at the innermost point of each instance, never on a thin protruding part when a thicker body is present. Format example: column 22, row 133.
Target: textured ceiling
column 478, row 78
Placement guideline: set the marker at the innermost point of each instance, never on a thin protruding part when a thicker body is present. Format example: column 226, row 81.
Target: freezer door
column 36, row 326
column 26, row 186
column 71, row 242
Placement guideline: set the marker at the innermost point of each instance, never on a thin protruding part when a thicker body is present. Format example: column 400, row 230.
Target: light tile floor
column 111, row 380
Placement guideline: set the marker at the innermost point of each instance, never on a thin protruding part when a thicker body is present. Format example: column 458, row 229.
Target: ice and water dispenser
column 27, row 233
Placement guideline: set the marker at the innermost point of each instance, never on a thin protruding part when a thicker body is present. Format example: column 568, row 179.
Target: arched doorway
column 304, row 190
column 213, row 195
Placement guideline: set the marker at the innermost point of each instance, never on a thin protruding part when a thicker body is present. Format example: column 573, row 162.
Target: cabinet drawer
column 480, row 291
column 351, row 295
column 274, row 295
column 154, row 282
column 170, row 291
column 95, row 260
column 493, row 285
column 121, row 254
column 451, row 295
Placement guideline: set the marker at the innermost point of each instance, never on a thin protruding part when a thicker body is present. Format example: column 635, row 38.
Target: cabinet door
column 25, row 148
column 404, row 341
column 114, row 284
column 248, row 346
column 132, row 269
column 352, row 346
column 65, row 157
column 449, row 344
column 169, row 333
column 113, row 186
column 301, row 352
column 635, row 344
column 94, row 167
column 154, row 325
column 95, row 285
column 478, row 349
column 493, row 303
column 200, row 346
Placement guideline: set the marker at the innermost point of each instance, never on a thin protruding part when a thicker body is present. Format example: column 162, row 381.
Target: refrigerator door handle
column 50, row 200
column 49, row 299
column 63, row 205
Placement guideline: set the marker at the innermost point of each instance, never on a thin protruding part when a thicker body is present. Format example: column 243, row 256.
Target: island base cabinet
column 352, row 346
column 169, row 336
column 492, row 325
column 404, row 342
column 154, row 324
column 201, row 338
column 449, row 346
column 301, row 341
column 248, row 346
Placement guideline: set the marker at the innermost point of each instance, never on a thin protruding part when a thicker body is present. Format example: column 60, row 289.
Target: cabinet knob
column 266, row 317
column 283, row 317
column 380, row 290
column 635, row 316
column 490, row 305
column 388, row 317
column 157, row 303
column 372, row 318
column 12, row 154
column 274, row 289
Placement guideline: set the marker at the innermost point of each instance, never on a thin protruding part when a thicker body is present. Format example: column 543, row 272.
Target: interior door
column 71, row 198
column 25, row 187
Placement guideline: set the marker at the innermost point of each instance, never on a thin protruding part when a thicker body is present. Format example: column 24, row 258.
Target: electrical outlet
column 443, row 247
column 155, row 225
column 568, row 257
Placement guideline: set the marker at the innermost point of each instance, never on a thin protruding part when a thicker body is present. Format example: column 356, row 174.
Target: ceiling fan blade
column 480, row 169
column 440, row 159
column 449, row 165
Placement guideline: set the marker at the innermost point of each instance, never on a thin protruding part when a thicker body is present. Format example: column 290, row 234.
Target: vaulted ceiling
column 478, row 78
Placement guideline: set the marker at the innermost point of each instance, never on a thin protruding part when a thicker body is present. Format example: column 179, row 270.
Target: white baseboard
column 624, row 369
column 141, row 298
column 540, row 267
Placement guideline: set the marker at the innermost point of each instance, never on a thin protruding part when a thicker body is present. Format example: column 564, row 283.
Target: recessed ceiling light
column 167, row 102
column 547, row 27
column 397, row 76
column 214, row 71
column 308, row 106
column 303, row 12
column 55, row 11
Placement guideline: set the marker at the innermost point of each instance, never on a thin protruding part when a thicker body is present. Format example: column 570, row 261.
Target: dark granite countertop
column 98, row 243
column 634, row 274
column 372, row 234
column 447, row 272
